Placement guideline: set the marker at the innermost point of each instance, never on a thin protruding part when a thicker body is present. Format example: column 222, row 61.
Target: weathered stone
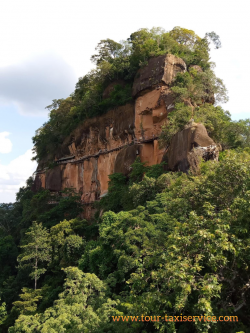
column 110, row 143
column 160, row 70
column 151, row 110
column 37, row 185
column 108, row 131
column 53, row 180
column 106, row 166
column 126, row 157
column 188, row 144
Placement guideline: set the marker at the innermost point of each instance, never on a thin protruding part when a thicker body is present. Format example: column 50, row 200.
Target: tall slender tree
column 36, row 251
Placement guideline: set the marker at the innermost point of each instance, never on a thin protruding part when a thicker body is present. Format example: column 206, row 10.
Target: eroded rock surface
column 111, row 142
column 188, row 145
column 160, row 70
column 151, row 110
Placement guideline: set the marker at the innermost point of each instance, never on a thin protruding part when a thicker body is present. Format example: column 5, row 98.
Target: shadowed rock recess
column 111, row 142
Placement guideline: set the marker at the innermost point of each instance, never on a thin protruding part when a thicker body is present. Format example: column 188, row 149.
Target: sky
column 46, row 46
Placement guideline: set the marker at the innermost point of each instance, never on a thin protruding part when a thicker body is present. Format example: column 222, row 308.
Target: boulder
column 188, row 145
column 159, row 70
column 126, row 157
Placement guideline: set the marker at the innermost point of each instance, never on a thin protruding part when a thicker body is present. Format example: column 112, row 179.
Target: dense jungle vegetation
column 161, row 243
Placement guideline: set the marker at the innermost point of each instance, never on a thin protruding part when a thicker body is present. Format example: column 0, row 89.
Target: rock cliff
column 111, row 142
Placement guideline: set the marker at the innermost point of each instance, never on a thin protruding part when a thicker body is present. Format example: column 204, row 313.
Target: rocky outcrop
column 188, row 146
column 151, row 110
column 111, row 142
column 106, row 132
column 160, row 70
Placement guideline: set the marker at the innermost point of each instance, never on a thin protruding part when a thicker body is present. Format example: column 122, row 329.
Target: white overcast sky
column 46, row 46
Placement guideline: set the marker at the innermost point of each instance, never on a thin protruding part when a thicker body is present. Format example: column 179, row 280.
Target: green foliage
column 220, row 127
column 28, row 303
column 47, row 207
column 195, row 92
column 146, row 190
column 9, row 218
column 82, row 307
column 138, row 169
column 66, row 245
column 214, row 38
column 196, row 87
column 119, row 96
column 15, row 221
column 181, row 42
column 183, row 251
column 36, row 251
column 67, row 204
column 3, row 312
column 162, row 243
column 121, row 190
column 121, row 61
column 116, row 190
column 177, row 119
column 155, row 171
column 108, row 50
column 183, row 248
column 8, row 255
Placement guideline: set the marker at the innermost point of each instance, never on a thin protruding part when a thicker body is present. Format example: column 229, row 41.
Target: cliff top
column 117, row 61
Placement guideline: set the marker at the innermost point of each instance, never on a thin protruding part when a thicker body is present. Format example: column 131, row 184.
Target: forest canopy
column 167, row 244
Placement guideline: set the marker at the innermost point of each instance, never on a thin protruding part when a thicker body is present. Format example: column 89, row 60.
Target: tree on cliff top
column 107, row 51
column 116, row 61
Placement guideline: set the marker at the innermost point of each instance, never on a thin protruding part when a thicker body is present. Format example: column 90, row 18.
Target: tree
column 184, row 36
column 36, row 251
column 186, row 251
column 116, row 61
column 3, row 312
column 28, row 303
column 107, row 49
column 195, row 88
column 214, row 38
column 82, row 307
column 177, row 119
column 9, row 217
column 66, row 245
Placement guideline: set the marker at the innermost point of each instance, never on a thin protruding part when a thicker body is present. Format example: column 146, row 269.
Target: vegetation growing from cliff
column 220, row 127
column 119, row 61
column 181, row 248
column 124, row 193
column 162, row 243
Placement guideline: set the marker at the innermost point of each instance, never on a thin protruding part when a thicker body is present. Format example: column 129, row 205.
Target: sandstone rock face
column 109, row 131
column 160, row 70
column 188, row 145
column 111, row 142
column 151, row 110
column 53, row 180
column 126, row 157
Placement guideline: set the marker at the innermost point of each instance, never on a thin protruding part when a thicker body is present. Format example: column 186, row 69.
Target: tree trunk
column 36, row 270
